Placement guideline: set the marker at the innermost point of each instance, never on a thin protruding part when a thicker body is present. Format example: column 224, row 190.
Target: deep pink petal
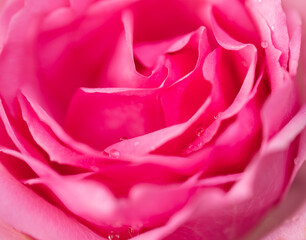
column 120, row 113
column 150, row 26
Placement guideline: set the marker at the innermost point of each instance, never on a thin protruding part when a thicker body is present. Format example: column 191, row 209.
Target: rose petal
column 230, row 216
column 280, row 107
column 54, row 147
column 150, row 142
column 44, row 6
column 39, row 218
column 272, row 27
column 8, row 233
column 8, row 10
column 295, row 34
column 59, row 132
column 240, row 28
column 151, row 27
column 119, row 112
column 19, row 139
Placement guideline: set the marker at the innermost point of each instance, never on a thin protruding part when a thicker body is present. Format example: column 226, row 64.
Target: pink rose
column 147, row 119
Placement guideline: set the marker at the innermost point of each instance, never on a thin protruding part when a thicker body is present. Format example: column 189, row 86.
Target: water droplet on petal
column 105, row 154
column 132, row 232
column 200, row 131
column 123, row 138
column 136, row 144
column 272, row 28
column 260, row 1
column 264, row 44
column 218, row 115
column 113, row 236
column 114, row 153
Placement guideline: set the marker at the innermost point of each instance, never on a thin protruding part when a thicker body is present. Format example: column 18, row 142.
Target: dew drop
column 123, row 138
column 113, row 236
column 200, row 131
column 136, row 144
column 218, row 115
column 132, row 232
column 114, row 153
column 260, row 1
column 105, row 154
column 264, row 44
column 272, row 28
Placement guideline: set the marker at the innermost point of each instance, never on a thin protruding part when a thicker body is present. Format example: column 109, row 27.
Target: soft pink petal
column 240, row 28
column 272, row 27
column 18, row 138
column 280, row 107
column 232, row 216
column 9, row 233
column 119, row 113
column 8, row 10
column 295, row 33
column 150, row 142
column 58, row 130
column 184, row 97
column 27, row 212
column 44, row 6
column 54, row 147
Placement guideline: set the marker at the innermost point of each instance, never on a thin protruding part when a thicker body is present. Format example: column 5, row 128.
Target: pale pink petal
column 44, row 6
column 272, row 27
column 280, row 107
column 25, row 211
column 294, row 226
column 295, row 33
column 231, row 216
column 9, row 233
column 8, row 10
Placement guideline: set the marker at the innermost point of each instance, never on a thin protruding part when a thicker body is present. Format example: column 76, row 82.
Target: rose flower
column 148, row 119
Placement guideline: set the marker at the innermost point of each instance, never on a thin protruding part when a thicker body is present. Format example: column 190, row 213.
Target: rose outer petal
column 39, row 218
column 272, row 27
column 218, row 216
column 294, row 23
